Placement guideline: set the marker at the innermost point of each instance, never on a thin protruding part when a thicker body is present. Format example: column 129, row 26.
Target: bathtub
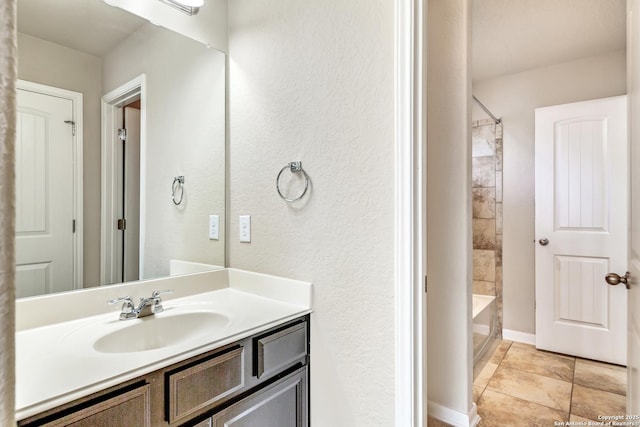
column 484, row 325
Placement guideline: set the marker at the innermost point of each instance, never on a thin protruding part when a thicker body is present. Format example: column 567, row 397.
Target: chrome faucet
column 147, row 306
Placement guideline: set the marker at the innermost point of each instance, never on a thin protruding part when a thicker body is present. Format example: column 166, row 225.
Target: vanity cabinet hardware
column 281, row 404
column 204, row 384
column 132, row 408
column 278, row 350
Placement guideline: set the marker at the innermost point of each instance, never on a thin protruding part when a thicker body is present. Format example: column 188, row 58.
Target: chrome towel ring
column 178, row 184
column 294, row 167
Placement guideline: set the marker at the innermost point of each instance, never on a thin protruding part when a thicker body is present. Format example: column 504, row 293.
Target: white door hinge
column 122, row 134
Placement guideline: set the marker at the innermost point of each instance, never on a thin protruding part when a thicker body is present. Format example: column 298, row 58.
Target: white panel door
column 44, row 195
column 132, row 195
column 633, row 87
column 127, row 240
column 581, row 228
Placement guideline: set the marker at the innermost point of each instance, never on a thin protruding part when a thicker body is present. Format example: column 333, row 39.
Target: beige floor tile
column 534, row 388
column 499, row 410
column 502, row 349
column 477, row 393
column 589, row 403
column 432, row 422
column 541, row 363
column 532, row 347
column 577, row 419
column 524, row 346
column 485, row 375
column 601, row 376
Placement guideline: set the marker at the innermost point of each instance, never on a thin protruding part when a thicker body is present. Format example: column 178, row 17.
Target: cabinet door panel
column 282, row 404
column 128, row 409
column 280, row 350
column 204, row 384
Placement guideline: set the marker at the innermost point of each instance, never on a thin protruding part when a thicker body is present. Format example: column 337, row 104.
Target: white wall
column 314, row 81
column 514, row 98
column 449, row 248
column 185, row 136
column 51, row 64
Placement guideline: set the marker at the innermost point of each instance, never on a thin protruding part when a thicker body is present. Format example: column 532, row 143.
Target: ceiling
column 510, row 36
column 90, row 26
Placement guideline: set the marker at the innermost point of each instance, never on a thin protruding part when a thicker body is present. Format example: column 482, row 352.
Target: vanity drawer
column 279, row 349
column 124, row 409
column 204, row 384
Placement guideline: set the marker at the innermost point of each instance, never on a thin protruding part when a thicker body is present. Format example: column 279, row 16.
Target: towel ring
column 294, row 167
column 178, row 183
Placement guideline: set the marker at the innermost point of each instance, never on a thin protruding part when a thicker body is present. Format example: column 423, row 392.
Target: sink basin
column 161, row 330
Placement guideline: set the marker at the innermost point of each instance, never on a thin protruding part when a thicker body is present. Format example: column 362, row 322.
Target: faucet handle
column 157, row 301
column 156, row 294
column 127, row 303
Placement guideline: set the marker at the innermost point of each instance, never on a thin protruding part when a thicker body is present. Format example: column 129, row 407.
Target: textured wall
column 8, row 73
column 514, row 98
column 51, row 64
column 314, row 81
column 185, row 136
column 449, row 249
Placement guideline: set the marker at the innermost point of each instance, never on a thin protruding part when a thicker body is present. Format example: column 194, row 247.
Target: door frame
column 76, row 99
column 410, row 214
column 113, row 100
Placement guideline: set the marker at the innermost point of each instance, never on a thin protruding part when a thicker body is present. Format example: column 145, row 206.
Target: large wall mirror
column 96, row 205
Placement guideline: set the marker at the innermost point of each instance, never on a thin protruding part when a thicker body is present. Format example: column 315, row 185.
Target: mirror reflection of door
column 46, row 191
column 128, row 176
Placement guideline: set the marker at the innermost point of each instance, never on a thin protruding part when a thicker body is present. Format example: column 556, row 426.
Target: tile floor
column 521, row 386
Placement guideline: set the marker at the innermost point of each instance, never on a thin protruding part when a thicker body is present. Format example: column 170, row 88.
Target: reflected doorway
column 128, row 166
column 123, row 142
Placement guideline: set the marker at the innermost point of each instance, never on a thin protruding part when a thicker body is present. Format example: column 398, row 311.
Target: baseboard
column 454, row 418
column 518, row 336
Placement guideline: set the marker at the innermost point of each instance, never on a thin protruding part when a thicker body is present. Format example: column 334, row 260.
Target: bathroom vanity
column 249, row 362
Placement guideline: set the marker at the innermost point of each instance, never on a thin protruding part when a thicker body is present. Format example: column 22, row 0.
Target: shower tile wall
column 487, row 211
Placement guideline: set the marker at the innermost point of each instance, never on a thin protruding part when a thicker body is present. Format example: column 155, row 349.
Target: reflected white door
column 127, row 233
column 132, row 194
column 44, row 195
column 582, row 211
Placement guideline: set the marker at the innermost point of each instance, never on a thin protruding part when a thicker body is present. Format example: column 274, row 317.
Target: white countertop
column 57, row 363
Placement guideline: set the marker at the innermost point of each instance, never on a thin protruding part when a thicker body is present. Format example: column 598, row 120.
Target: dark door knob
column 543, row 242
column 613, row 279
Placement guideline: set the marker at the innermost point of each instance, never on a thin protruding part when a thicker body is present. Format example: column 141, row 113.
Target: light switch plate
column 214, row 227
column 245, row 228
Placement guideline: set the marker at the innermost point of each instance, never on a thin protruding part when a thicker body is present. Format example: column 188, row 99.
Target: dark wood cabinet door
column 132, row 408
column 282, row 404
